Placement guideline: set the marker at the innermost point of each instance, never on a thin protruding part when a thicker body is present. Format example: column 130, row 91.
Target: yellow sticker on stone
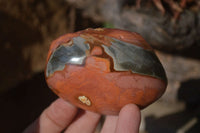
column 84, row 100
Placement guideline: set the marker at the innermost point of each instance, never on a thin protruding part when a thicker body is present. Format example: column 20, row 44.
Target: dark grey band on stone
column 129, row 57
column 126, row 57
column 74, row 54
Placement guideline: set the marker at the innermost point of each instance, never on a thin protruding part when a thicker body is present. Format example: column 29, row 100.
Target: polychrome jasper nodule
column 102, row 70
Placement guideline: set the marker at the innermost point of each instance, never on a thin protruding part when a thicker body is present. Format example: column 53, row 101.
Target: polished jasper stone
column 102, row 70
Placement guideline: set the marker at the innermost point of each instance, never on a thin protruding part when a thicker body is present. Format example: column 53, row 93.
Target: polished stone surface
column 125, row 57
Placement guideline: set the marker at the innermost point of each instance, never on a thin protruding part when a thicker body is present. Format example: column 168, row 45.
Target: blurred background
column 172, row 27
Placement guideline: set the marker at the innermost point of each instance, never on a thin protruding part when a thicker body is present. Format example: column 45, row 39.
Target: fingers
column 110, row 124
column 129, row 119
column 86, row 122
column 60, row 115
column 55, row 118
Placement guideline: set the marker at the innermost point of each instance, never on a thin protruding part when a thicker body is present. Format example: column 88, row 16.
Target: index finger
column 54, row 119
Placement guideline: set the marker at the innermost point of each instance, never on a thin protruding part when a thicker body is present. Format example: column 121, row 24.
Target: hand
column 62, row 116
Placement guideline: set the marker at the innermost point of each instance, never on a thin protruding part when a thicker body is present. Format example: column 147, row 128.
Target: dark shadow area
column 23, row 104
column 189, row 92
column 82, row 23
column 191, row 52
column 17, row 32
column 15, row 35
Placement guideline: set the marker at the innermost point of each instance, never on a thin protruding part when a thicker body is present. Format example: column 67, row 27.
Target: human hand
column 62, row 116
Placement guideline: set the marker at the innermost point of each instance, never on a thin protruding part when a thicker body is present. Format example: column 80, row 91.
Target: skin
column 63, row 116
